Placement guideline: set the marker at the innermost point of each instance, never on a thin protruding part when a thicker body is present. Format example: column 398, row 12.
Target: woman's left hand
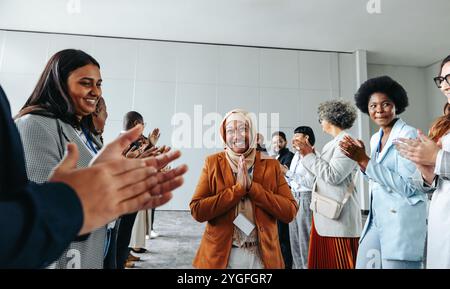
column 355, row 150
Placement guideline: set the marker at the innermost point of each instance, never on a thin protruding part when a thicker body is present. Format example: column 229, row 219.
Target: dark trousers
column 285, row 244
column 123, row 238
column 110, row 261
column 153, row 219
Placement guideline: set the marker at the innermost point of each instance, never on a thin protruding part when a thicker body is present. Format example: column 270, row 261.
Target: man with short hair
column 301, row 182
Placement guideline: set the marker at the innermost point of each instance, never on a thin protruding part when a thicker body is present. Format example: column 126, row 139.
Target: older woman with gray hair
column 336, row 224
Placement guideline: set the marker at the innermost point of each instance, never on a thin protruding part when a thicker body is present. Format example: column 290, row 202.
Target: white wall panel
column 197, row 63
column 231, row 97
column 279, row 68
column 60, row 42
column 117, row 57
column 283, row 102
column 159, row 79
column 157, row 61
column 118, row 95
column 238, row 66
column 316, row 70
column 309, row 102
column 156, row 102
column 24, row 53
column 18, row 88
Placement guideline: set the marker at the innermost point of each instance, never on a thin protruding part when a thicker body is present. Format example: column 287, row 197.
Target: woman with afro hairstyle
column 395, row 230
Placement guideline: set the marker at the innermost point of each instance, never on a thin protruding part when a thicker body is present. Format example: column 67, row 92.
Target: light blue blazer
column 397, row 199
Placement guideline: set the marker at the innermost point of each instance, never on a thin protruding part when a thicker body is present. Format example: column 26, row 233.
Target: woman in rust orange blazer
column 241, row 195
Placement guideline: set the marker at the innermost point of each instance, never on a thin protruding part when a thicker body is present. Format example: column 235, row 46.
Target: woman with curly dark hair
column 334, row 239
column 395, row 230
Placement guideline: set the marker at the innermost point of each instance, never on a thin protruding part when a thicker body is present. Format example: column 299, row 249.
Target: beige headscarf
column 232, row 157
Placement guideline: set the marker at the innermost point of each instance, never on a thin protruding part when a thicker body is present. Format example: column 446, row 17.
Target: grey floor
column 177, row 244
column 178, row 241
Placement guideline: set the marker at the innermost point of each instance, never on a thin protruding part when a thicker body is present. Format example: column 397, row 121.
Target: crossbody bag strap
column 350, row 190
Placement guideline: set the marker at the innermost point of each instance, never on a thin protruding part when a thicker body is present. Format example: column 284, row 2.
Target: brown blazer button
column 261, row 229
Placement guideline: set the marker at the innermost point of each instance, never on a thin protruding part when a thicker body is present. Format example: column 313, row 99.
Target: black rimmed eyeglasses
column 439, row 79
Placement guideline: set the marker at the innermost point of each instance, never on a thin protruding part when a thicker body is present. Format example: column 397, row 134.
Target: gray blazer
column 334, row 172
column 44, row 140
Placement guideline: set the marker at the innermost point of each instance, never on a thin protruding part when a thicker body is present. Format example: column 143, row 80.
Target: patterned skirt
column 331, row 252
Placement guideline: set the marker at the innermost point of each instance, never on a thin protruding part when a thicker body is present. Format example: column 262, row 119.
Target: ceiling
column 406, row 32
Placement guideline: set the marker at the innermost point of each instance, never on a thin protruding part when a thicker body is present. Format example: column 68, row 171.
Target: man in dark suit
column 284, row 156
column 37, row 222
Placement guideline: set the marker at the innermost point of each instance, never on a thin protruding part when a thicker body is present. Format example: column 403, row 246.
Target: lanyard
column 89, row 142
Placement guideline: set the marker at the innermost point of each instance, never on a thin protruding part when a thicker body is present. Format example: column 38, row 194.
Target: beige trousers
column 141, row 228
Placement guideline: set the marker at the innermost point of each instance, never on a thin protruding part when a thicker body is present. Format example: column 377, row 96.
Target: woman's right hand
column 355, row 150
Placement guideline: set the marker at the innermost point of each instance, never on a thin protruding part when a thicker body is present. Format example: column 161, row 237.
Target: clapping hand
column 154, row 137
column 303, row 147
column 422, row 151
column 355, row 150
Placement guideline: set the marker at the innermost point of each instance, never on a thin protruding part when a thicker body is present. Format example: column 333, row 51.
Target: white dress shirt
column 298, row 178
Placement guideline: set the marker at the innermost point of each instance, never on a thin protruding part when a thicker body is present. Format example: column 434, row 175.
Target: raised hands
column 154, row 137
column 422, row 151
column 242, row 176
column 113, row 185
column 355, row 150
column 303, row 147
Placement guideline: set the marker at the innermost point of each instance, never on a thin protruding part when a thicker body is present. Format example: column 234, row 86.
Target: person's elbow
column 290, row 212
column 196, row 211
column 335, row 179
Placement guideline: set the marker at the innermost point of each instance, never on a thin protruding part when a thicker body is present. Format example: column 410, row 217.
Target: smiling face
column 84, row 87
column 278, row 143
column 445, row 87
column 237, row 135
column 381, row 109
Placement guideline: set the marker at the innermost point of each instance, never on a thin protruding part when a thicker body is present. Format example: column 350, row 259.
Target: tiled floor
column 177, row 244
